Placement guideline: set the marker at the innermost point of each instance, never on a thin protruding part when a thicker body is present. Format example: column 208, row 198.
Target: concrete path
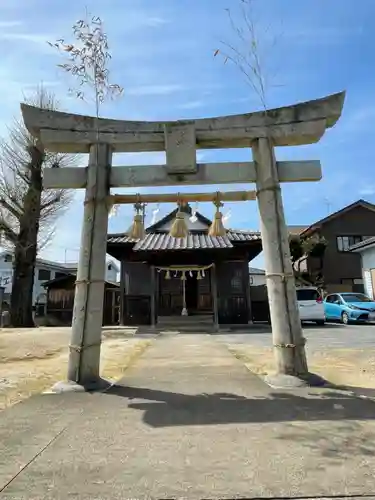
column 188, row 421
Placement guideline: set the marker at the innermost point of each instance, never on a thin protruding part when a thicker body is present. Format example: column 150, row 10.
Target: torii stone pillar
column 286, row 324
column 84, row 359
column 303, row 123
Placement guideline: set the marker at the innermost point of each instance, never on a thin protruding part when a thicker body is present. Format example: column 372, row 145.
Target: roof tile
column 163, row 241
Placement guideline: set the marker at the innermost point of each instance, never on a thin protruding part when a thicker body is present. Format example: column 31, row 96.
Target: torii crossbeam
column 303, row 123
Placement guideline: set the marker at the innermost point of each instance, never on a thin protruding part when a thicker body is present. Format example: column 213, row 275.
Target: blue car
column 349, row 307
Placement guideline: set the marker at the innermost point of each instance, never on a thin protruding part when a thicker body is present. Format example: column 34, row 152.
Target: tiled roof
column 163, row 241
column 238, row 235
column 120, row 238
column 68, row 277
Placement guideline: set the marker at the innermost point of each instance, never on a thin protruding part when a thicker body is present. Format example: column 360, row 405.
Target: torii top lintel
column 303, row 123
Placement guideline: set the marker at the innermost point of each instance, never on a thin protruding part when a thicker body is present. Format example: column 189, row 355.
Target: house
column 199, row 275
column 60, row 301
column 111, row 273
column 366, row 250
column 257, row 277
column 45, row 270
column 351, row 225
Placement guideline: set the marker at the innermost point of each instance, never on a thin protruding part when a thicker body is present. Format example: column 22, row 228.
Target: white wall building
column 45, row 270
column 366, row 249
column 111, row 272
column 257, row 276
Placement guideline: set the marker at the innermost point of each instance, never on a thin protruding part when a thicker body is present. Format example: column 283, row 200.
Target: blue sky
column 163, row 58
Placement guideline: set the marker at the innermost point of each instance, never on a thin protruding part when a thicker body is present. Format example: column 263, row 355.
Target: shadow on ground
column 163, row 409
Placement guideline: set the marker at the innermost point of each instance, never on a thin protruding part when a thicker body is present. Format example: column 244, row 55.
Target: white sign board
column 6, row 280
column 368, row 284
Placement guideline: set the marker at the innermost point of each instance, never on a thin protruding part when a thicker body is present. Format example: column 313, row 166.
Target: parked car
column 310, row 304
column 348, row 307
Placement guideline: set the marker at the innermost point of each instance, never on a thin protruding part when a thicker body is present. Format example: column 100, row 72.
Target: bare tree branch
column 9, row 236
column 27, row 212
column 16, row 164
column 247, row 54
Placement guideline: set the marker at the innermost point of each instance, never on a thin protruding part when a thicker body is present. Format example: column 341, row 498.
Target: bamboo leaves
column 87, row 60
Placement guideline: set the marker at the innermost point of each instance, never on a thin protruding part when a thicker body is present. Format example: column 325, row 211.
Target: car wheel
column 320, row 322
column 345, row 318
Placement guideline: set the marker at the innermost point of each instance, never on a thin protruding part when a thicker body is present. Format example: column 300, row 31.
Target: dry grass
column 116, row 357
column 32, row 360
column 350, row 367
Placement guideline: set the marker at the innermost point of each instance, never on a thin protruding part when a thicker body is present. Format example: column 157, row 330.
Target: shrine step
column 190, row 323
column 205, row 318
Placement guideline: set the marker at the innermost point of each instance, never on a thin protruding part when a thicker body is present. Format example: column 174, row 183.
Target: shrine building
column 199, row 275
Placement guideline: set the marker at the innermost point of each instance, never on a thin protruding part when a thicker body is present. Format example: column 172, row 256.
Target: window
column 345, row 242
column 44, row 275
column 334, row 299
column 331, row 299
column 307, row 294
column 109, row 267
column 236, row 281
column 356, row 297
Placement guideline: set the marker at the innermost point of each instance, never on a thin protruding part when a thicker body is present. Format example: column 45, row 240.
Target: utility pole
column 328, row 205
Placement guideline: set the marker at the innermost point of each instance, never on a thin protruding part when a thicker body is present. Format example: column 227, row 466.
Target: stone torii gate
column 303, row 123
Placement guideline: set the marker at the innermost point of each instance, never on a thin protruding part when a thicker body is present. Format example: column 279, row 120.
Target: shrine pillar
column 288, row 342
column 84, row 359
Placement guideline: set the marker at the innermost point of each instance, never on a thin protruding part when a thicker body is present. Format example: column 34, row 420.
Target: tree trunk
column 25, row 251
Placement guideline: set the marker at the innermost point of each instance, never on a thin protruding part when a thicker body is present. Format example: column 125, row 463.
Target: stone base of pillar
column 283, row 381
column 70, row 386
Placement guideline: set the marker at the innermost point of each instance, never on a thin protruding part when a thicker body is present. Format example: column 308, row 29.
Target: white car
column 310, row 304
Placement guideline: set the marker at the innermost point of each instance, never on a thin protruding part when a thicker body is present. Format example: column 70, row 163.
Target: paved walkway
column 188, row 421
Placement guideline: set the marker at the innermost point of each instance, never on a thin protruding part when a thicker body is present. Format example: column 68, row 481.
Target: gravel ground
column 344, row 355
column 330, row 336
column 32, row 360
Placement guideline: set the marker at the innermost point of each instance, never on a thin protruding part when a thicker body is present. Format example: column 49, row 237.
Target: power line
column 63, row 247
